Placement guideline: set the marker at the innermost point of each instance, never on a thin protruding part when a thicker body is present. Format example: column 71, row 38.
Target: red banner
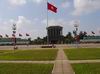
column 52, row 8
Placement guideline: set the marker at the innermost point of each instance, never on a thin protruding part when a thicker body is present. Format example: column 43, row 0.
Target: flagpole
column 53, row 9
column 47, row 24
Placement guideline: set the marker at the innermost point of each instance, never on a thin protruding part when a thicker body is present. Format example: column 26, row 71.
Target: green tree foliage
column 82, row 34
column 38, row 41
column 69, row 38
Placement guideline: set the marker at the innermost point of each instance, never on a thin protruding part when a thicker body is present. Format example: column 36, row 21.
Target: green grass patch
column 37, row 55
column 83, row 53
column 5, row 51
column 92, row 68
column 8, row 68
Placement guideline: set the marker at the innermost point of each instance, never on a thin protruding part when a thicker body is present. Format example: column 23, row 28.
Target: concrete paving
column 57, row 45
column 39, row 62
column 85, row 61
column 62, row 65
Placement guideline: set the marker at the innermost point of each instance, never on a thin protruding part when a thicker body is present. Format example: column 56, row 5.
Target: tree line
column 69, row 38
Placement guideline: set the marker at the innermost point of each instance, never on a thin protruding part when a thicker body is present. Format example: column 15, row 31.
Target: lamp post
column 14, row 35
column 76, row 25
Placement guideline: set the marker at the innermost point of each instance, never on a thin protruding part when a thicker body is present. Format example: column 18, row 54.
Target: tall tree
column 69, row 38
column 82, row 34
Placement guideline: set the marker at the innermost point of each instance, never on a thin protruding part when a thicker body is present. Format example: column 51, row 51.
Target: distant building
column 55, row 34
column 9, row 41
column 90, row 39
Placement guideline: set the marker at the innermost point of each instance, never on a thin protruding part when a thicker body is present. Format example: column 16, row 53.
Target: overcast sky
column 30, row 16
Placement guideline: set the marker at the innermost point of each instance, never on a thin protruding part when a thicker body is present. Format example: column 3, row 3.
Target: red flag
column 0, row 36
column 52, row 7
column 20, row 34
column 13, row 35
column 85, row 33
column 6, row 35
column 92, row 32
column 27, row 34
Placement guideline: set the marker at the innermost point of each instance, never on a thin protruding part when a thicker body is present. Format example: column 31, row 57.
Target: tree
column 38, row 40
column 30, row 41
column 69, row 38
column 45, row 40
column 82, row 34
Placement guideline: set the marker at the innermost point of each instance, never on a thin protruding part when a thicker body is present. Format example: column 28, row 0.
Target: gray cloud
column 85, row 6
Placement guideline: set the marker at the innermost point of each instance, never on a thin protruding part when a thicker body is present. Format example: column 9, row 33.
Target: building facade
column 90, row 39
column 54, row 34
column 9, row 41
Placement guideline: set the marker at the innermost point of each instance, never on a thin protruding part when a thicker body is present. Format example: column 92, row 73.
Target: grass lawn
column 28, row 55
column 83, row 53
column 8, row 68
column 92, row 68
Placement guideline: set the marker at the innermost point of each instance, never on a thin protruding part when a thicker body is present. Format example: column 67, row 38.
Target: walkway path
column 40, row 62
column 85, row 61
column 52, row 62
column 62, row 65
